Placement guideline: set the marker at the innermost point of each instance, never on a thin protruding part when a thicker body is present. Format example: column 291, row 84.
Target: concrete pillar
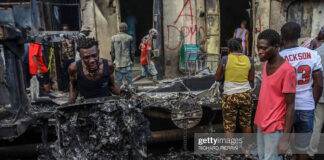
column 201, row 24
column 103, row 33
column 276, row 15
column 88, row 17
column 100, row 18
column 213, row 32
column 262, row 22
column 172, row 25
column 317, row 21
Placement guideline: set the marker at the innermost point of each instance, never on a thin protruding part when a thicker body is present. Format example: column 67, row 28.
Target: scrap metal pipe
column 177, row 134
column 157, row 114
column 27, row 150
column 19, row 151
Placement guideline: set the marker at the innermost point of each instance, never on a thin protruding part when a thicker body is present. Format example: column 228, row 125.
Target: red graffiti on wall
column 189, row 30
column 181, row 13
column 258, row 30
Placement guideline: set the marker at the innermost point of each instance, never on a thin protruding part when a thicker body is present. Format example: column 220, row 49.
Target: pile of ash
column 112, row 129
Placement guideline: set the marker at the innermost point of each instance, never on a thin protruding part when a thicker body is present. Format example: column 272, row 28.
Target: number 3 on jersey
column 305, row 71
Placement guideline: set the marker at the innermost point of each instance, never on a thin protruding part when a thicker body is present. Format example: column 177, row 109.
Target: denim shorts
column 150, row 68
column 267, row 144
column 303, row 123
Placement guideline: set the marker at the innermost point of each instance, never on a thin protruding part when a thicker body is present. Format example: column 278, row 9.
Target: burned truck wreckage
column 127, row 127
column 156, row 122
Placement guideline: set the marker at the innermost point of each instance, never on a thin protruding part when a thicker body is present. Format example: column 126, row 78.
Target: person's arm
column 149, row 51
column 112, row 51
column 247, row 43
column 251, row 74
column 39, row 70
column 234, row 35
column 313, row 44
column 73, row 83
column 219, row 71
column 132, row 49
column 113, row 87
column 317, row 86
column 284, row 140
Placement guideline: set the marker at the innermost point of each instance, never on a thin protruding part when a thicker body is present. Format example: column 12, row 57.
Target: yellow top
column 237, row 68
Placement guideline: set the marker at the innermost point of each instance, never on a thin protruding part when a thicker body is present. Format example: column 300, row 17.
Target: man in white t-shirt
column 309, row 84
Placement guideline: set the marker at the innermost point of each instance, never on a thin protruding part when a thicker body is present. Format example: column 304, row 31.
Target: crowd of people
column 290, row 98
column 72, row 65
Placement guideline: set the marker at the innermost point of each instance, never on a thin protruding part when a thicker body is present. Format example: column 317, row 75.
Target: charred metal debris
column 100, row 129
column 116, row 127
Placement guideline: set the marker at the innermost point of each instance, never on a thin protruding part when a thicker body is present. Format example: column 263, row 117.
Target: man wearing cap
column 316, row 42
column 122, row 53
column 146, row 47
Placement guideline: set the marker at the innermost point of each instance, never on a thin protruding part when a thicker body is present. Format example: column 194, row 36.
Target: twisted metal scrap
column 115, row 129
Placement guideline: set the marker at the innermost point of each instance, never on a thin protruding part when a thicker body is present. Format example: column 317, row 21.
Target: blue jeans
column 303, row 123
column 121, row 72
column 267, row 145
column 150, row 68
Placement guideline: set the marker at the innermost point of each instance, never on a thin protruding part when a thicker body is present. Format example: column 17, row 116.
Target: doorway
column 232, row 13
column 139, row 17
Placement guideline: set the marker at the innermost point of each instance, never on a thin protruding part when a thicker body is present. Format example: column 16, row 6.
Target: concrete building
column 207, row 22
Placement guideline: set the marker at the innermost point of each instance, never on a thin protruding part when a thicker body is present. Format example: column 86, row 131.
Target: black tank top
column 93, row 88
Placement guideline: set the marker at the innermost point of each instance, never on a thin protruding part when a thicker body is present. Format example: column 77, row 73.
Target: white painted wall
column 318, row 17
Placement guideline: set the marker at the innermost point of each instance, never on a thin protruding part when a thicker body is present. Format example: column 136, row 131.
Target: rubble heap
column 114, row 129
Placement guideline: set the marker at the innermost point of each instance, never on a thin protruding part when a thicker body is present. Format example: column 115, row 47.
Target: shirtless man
column 91, row 76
